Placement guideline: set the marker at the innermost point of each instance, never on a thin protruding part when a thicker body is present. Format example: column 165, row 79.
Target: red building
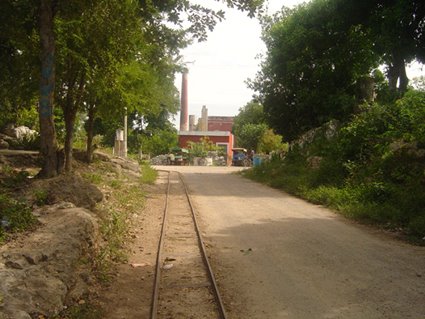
column 221, row 139
column 220, row 123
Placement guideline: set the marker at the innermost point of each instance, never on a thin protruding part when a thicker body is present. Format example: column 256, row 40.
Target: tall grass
column 387, row 204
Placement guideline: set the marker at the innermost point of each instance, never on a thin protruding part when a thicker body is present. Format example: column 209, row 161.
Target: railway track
column 184, row 284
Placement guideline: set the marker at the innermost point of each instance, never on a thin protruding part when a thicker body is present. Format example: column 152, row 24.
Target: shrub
column 372, row 170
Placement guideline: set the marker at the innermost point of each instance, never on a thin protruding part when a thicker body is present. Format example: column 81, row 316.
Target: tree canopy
column 318, row 53
column 101, row 57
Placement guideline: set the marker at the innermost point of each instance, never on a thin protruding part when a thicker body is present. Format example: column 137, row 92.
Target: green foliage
column 251, row 113
column 149, row 175
column 201, row 148
column 81, row 311
column 270, row 142
column 15, row 216
column 372, row 170
column 250, row 135
column 318, row 51
column 41, row 196
column 156, row 143
column 13, row 180
column 94, row 178
column 116, row 183
column 252, row 132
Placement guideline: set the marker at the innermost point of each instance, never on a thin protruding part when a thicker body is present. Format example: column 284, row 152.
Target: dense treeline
column 357, row 134
column 320, row 53
column 100, row 58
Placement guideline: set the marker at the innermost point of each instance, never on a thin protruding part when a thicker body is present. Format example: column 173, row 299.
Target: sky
column 223, row 63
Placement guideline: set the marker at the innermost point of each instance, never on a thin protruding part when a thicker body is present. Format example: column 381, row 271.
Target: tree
column 19, row 61
column 251, row 113
column 313, row 62
column 48, row 144
column 270, row 142
column 90, row 35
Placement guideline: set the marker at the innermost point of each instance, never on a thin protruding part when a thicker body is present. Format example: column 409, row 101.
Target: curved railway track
column 184, row 284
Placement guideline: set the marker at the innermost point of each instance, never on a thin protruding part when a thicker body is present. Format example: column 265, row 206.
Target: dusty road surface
column 276, row 256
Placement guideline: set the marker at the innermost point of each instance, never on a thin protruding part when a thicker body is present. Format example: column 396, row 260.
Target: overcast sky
column 224, row 62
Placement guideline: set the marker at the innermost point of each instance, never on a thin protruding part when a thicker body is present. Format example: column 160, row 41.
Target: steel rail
column 155, row 294
column 217, row 296
column 154, row 305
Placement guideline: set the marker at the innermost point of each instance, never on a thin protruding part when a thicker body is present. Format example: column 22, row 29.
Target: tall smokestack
column 204, row 123
column 184, row 113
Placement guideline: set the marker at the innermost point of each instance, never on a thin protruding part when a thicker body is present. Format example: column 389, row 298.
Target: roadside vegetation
column 334, row 85
column 371, row 169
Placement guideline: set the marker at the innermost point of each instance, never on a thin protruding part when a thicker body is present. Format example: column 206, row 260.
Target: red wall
column 183, row 139
column 220, row 123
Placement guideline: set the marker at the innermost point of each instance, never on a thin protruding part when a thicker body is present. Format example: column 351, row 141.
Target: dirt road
column 276, row 256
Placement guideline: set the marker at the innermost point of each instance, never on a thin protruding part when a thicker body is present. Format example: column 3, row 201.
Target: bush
column 372, row 170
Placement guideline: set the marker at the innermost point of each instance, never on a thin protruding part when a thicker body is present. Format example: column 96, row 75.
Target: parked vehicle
column 241, row 157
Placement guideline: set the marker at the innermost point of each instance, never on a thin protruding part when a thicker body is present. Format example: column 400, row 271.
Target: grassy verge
column 124, row 200
column 388, row 205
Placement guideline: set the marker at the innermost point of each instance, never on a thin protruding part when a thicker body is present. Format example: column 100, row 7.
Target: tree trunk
column 393, row 77
column 48, row 144
column 70, row 115
column 397, row 74
column 70, row 112
column 404, row 80
column 90, row 132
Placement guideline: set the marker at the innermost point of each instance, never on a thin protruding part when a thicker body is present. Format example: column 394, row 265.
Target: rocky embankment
column 44, row 271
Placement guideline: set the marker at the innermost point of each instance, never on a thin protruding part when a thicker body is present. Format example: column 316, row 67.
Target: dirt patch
column 129, row 294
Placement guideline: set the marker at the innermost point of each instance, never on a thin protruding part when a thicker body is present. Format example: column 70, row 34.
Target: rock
column 78, row 290
column 168, row 266
column 101, row 156
column 35, row 275
column 20, row 132
column 3, row 145
column 17, row 264
column 159, row 160
column 19, row 315
column 126, row 164
column 410, row 148
column 77, row 191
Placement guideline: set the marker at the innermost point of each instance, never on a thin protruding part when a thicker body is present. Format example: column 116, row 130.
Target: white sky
column 225, row 61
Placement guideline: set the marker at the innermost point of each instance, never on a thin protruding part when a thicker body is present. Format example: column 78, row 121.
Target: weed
column 149, row 174
column 41, row 196
column 15, row 216
column 81, row 311
column 116, row 183
column 6, row 170
column 93, row 178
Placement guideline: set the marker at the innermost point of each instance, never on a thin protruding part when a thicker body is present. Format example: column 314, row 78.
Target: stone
column 15, row 264
column 3, row 145
column 35, row 276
